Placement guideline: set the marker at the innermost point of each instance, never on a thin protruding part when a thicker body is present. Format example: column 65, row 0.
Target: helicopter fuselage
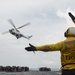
column 15, row 33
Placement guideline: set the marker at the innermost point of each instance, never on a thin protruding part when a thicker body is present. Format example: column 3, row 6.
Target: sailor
column 66, row 48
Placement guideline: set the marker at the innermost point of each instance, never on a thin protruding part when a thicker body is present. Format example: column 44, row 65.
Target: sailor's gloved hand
column 31, row 48
column 72, row 16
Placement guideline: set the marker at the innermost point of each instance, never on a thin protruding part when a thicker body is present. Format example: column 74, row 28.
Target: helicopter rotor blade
column 24, row 25
column 5, row 32
column 11, row 22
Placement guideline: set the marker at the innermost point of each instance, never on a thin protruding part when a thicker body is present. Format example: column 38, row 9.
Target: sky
column 49, row 20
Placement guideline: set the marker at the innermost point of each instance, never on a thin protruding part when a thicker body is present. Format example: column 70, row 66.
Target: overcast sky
column 49, row 20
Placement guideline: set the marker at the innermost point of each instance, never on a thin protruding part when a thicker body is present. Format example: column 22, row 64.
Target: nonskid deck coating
column 32, row 73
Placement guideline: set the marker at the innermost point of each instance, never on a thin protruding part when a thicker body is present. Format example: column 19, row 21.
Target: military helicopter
column 14, row 31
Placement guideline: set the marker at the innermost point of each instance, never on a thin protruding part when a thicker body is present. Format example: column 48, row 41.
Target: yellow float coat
column 67, row 50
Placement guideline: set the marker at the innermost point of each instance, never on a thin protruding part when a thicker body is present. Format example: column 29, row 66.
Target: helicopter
column 14, row 31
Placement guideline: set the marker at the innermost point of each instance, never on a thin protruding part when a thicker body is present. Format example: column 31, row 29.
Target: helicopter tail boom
column 27, row 37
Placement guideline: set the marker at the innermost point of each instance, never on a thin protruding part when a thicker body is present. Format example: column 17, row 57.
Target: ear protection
column 70, row 32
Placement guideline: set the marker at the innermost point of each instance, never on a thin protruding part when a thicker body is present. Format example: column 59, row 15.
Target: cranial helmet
column 70, row 32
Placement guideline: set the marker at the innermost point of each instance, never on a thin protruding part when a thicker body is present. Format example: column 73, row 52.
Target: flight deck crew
column 66, row 48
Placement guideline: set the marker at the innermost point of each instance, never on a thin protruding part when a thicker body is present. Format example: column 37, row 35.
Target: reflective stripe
column 70, row 42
